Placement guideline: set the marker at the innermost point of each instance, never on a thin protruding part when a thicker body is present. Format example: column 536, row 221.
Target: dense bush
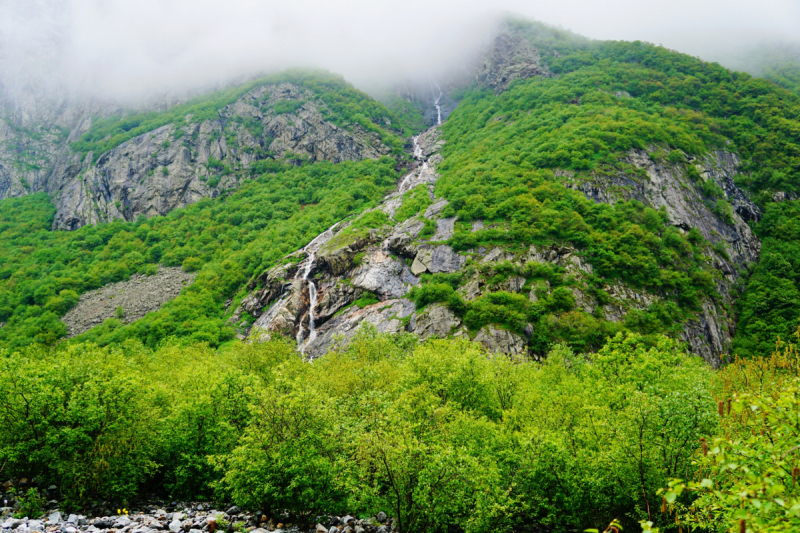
column 437, row 434
column 770, row 307
column 747, row 475
column 513, row 159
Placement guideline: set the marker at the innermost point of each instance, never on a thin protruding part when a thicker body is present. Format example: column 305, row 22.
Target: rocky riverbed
column 189, row 518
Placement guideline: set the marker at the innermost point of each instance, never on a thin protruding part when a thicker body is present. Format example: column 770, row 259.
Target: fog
column 123, row 49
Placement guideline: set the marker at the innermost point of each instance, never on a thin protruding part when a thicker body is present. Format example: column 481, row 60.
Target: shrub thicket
column 437, row 434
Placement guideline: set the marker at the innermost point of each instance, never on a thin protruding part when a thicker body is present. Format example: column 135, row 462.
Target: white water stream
column 436, row 103
column 306, row 270
column 311, row 249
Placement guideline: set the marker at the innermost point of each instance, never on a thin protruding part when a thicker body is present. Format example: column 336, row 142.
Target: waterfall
column 418, row 156
column 312, row 303
column 311, row 250
column 436, row 103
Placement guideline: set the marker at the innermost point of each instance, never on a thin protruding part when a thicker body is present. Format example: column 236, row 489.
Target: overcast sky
column 127, row 48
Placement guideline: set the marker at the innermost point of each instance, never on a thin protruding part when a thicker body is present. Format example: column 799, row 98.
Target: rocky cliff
column 351, row 275
column 35, row 130
column 172, row 166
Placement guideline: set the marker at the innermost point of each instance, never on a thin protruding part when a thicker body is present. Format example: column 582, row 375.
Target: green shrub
column 31, row 504
column 191, row 264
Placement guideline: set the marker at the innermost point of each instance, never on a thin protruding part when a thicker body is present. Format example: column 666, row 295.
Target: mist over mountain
column 128, row 50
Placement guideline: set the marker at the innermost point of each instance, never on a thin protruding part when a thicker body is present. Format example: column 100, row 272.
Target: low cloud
column 127, row 49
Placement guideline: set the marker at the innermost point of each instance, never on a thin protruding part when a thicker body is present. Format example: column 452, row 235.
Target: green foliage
column 414, row 201
column 770, row 307
column 226, row 241
column 366, row 299
column 514, row 158
column 746, row 477
column 31, row 504
column 437, row 434
column 191, row 264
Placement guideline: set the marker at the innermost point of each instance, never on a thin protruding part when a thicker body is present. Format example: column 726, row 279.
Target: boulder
column 435, row 321
column 436, row 259
column 498, row 340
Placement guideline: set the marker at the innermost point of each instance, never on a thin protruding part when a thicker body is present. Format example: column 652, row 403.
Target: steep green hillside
column 227, row 240
column 507, row 155
column 557, row 252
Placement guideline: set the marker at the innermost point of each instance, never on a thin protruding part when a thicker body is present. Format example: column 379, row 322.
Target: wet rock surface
column 512, row 57
column 136, row 297
column 386, row 263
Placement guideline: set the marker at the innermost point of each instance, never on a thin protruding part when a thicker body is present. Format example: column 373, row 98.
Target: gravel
column 137, row 297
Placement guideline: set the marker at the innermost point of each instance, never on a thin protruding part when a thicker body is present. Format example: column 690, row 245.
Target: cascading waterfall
column 436, row 103
column 312, row 303
column 419, row 157
column 306, row 270
column 311, row 249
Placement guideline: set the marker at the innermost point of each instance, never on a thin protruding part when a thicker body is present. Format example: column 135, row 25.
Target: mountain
column 618, row 220
column 569, row 190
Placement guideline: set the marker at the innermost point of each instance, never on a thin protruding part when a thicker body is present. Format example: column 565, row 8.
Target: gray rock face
column 383, row 275
column 386, row 317
column 35, row 128
column 498, row 340
column 137, row 297
column 435, row 321
column 175, row 166
column 172, row 166
column 669, row 186
column 511, row 58
column 435, row 259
